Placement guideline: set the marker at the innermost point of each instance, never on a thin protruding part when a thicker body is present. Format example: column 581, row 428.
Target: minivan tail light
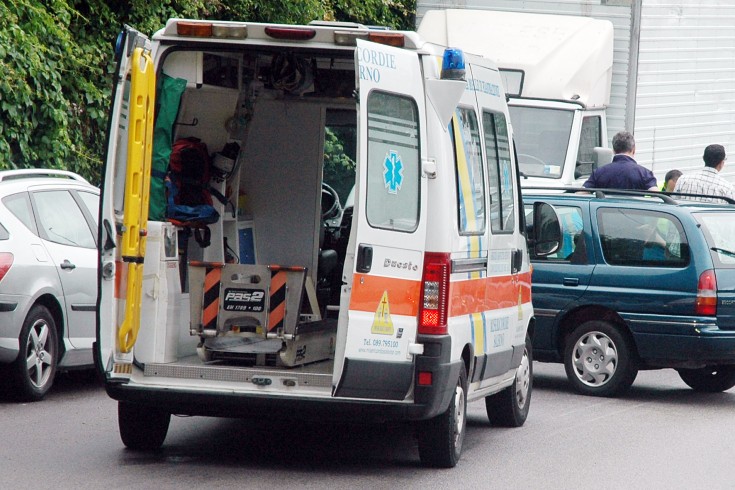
column 707, row 294
column 6, row 260
column 434, row 294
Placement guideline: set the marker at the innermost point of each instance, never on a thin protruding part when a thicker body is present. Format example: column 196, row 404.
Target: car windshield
column 542, row 137
column 720, row 235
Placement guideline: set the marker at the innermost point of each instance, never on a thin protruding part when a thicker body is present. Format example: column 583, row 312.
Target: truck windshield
column 542, row 138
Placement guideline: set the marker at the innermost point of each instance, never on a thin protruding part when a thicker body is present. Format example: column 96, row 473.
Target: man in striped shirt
column 707, row 181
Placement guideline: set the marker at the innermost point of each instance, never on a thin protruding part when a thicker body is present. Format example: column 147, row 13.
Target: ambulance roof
column 563, row 57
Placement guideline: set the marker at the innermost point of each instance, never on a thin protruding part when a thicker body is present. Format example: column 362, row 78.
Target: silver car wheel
column 39, row 354
column 595, row 358
column 523, row 380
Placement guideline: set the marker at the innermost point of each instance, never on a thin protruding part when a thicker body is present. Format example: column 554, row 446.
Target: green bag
column 169, row 97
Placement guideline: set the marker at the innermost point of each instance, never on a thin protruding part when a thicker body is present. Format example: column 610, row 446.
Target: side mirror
column 603, row 156
column 546, row 236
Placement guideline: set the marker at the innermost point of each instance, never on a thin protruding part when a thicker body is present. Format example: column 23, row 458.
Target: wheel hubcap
column 459, row 415
column 39, row 354
column 595, row 359
column 523, row 380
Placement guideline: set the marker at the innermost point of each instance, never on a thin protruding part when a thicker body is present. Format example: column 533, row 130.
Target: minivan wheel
column 710, row 379
column 34, row 370
column 440, row 438
column 142, row 428
column 599, row 359
column 509, row 408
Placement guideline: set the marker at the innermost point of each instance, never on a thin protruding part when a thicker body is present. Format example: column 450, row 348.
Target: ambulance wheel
column 34, row 369
column 711, row 379
column 142, row 428
column 600, row 359
column 509, row 408
column 440, row 438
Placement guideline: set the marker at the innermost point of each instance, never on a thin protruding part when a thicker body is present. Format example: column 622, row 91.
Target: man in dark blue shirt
column 624, row 172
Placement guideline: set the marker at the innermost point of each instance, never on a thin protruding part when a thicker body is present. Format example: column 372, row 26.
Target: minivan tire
column 509, row 408
column 440, row 438
column 39, row 346
column 142, row 428
column 710, row 379
column 599, row 359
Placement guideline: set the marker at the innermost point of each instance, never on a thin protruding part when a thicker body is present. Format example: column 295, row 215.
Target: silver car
column 48, row 276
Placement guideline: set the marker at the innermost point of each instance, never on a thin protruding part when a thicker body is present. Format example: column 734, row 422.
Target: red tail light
column 707, row 294
column 6, row 260
column 434, row 294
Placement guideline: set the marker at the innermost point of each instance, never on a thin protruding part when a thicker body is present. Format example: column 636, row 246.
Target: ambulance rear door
column 389, row 227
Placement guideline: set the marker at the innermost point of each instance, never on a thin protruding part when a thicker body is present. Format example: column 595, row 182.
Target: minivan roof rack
column 601, row 193
column 26, row 173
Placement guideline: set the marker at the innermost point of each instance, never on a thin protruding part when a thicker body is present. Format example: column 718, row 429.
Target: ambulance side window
column 393, row 168
column 500, row 176
column 470, row 182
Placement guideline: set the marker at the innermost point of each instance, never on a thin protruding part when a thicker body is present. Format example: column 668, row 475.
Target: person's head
column 623, row 142
column 714, row 156
column 670, row 180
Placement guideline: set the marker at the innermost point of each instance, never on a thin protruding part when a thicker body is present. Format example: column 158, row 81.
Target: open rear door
column 124, row 204
column 389, row 227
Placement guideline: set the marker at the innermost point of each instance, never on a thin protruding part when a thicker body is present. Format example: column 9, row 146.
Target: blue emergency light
column 453, row 64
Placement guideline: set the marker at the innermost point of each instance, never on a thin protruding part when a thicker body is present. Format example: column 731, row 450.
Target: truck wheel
column 142, row 428
column 710, row 379
column 34, row 370
column 599, row 359
column 509, row 408
column 440, row 438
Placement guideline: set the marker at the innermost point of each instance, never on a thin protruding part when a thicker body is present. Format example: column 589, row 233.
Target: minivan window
column 468, row 166
column 393, row 169
column 500, row 175
column 720, row 234
column 642, row 238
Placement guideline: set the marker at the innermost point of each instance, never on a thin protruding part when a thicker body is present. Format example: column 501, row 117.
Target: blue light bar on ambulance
column 453, row 64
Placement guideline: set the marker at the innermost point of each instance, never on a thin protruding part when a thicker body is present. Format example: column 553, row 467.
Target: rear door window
column 60, row 219
column 644, row 238
column 393, row 174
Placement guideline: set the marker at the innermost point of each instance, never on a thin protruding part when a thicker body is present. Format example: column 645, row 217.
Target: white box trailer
column 673, row 72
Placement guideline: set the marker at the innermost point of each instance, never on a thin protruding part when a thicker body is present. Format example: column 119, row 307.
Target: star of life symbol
column 393, row 174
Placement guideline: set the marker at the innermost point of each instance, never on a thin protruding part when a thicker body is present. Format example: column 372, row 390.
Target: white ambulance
column 406, row 303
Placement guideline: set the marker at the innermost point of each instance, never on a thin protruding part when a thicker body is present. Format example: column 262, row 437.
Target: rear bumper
column 692, row 343
column 428, row 401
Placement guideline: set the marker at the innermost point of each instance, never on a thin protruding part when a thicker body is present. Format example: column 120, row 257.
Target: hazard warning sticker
column 244, row 300
column 382, row 324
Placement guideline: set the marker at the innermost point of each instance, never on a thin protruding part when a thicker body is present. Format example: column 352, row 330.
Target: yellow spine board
column 137, row 189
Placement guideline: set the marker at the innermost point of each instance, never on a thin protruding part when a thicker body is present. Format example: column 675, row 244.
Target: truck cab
column 405, row 303
column 557, row 74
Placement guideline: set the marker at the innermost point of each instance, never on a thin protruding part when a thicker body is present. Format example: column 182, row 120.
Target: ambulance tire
column 600, row 359
column 142, row 428
column 440, row 438
column 509, row 408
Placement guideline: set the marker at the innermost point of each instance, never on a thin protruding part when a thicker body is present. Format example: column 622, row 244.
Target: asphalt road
column 661, row 435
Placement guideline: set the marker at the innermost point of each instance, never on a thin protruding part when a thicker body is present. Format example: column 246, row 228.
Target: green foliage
column 339, row 163
column 57, row 63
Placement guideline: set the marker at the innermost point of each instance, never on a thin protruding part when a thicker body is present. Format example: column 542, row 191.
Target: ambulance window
column 500, row 176
column 393, row 169
column 470, row 182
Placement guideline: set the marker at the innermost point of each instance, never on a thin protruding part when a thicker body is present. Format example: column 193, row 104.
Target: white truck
column 671, row 83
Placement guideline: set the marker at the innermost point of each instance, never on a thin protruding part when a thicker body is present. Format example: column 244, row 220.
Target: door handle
column 66, row 265
column 364, row 258
column 516, row 261
column 570, row 281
